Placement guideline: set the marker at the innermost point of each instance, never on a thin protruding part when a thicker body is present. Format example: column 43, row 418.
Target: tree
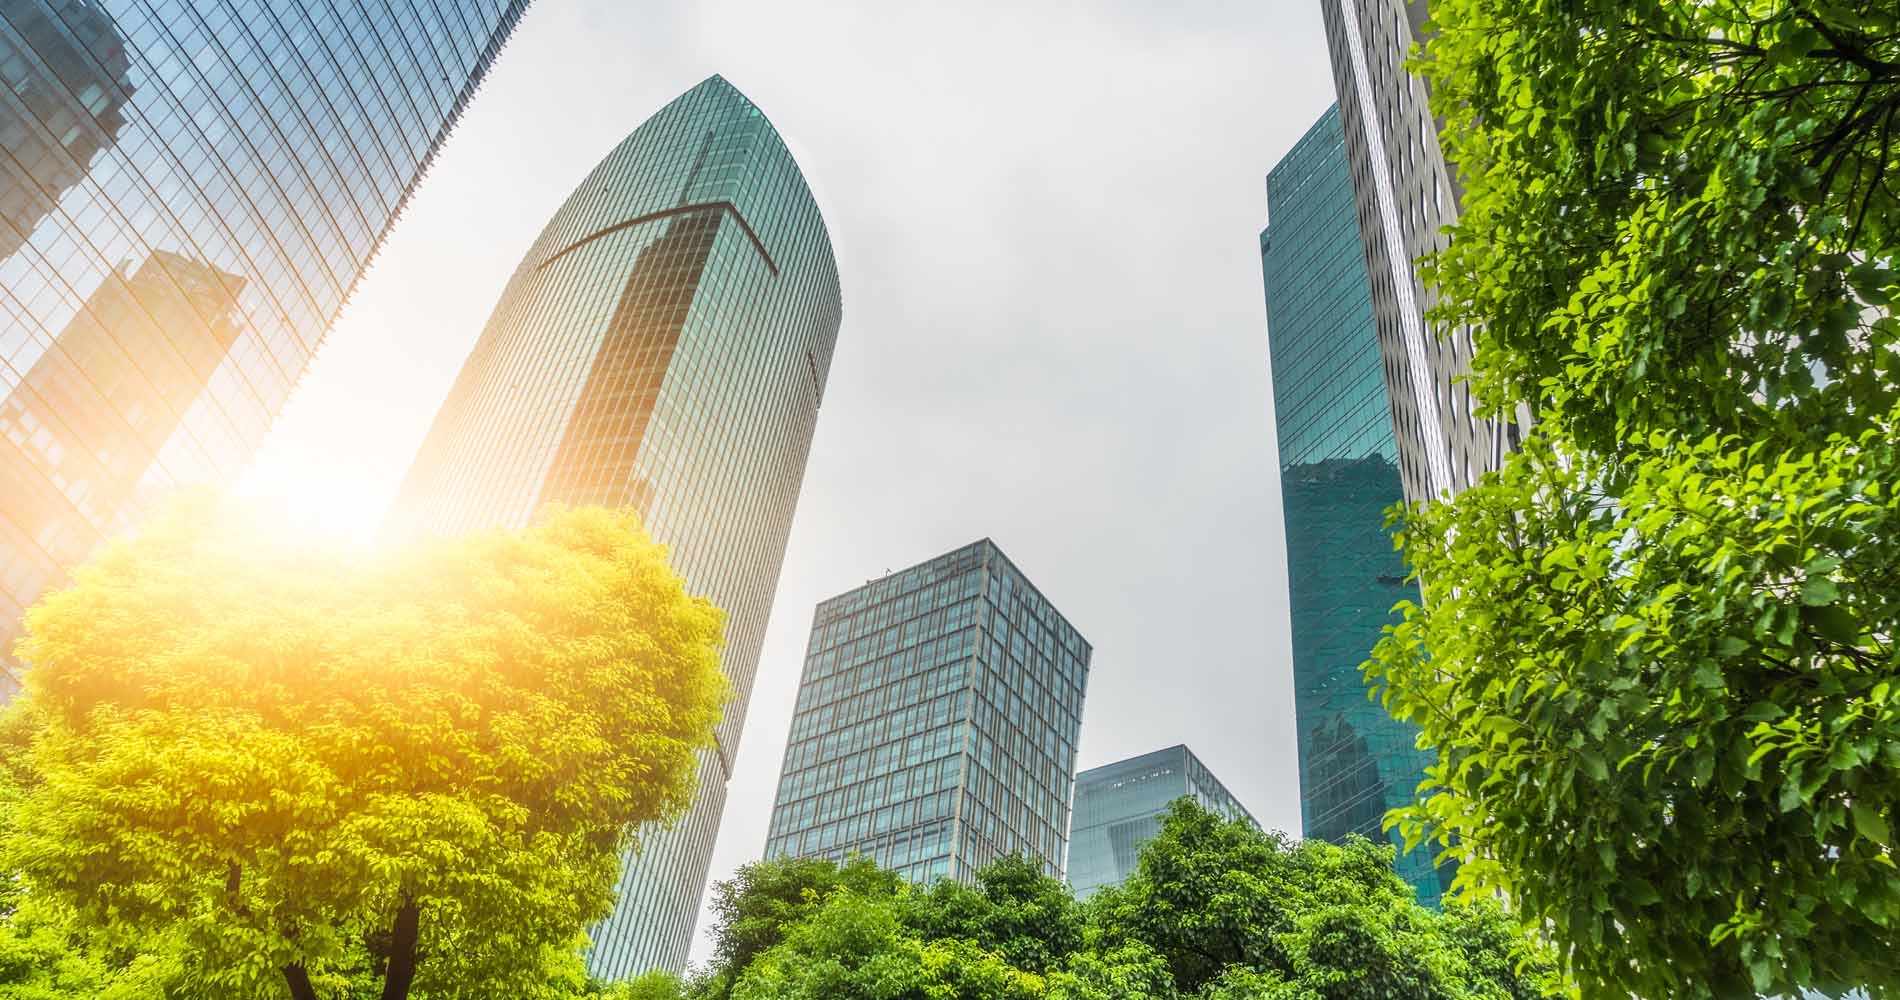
column 1236, row 913
column 1030, row 920
column 1655, row 652
column 312, row 769
column 856, row 946
column 755, row 908
column 1217, row 910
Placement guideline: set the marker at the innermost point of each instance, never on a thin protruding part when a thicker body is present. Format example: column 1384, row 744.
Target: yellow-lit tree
column 312, row 770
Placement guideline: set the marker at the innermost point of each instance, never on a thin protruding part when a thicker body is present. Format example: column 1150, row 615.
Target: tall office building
column 936, row 723
column 1339, row 472
column 1405, row 193
column 65, row 108
column 663, row 345
column 188, row 191
column 1120, row 806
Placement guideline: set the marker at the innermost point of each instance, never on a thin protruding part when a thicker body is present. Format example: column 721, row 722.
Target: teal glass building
column 1120, row 806
column 936, row 723
column 1339, row 473
column 189, row 189
column 663, row 345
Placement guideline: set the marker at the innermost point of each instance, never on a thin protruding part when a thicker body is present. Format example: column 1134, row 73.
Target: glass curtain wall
column 1120, row 806
column 664, row 346
column 936, row 723
column 1339, row 473
column 189, row 189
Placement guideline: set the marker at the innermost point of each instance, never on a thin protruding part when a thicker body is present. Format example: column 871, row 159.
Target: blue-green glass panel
column 1338, row 476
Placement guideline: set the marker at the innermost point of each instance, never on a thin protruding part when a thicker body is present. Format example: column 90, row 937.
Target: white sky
column 1045, row 216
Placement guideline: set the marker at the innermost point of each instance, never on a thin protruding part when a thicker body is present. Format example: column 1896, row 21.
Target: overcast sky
column 1045, row 217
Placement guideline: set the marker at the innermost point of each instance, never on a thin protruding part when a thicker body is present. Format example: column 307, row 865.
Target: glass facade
column 936, row 723
column 188, row 191
column 1339, row 472
column 663, row 345
column 1120, row 806
column 1406, row 194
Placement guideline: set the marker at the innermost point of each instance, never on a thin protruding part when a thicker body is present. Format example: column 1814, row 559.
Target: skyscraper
column 1339, row 472
column 663, row 345
column 188, row 191
column 1405, row 193
column 1120, row 806
column 936, row 722
column 66, row 107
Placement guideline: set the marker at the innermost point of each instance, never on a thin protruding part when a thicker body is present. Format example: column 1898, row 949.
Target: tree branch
column 403, row 957
column 299, row 980
column 1843, row 47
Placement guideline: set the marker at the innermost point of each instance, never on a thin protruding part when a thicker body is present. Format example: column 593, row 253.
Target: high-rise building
column 1339, row 473
column 1120, row 806
column 145, row 345
column 936, row 723
column 1406, row 193
column 188, row 191
column 663, row 345
column 65, row 108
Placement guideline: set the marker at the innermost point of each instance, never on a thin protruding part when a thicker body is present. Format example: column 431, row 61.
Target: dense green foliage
column 246, row 768
column 1217, row 910
column 1656, row 653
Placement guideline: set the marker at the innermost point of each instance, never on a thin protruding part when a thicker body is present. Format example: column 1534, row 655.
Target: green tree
column 1029, row 919
column 43, row 955
column 756, row 907
column 857, row 946
column 1655, row 653
column 314, row 770
column 1217, row 910
column 1235, row 912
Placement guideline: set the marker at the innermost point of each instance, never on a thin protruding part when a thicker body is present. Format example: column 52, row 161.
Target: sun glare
column 324, row 501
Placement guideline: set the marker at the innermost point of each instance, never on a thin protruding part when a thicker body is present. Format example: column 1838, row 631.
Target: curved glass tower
column 663, row 345
column 1340, row 469
column 188, row 191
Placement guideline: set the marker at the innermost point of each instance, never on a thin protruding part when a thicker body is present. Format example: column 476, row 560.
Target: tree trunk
column 402, row 952
column 299, row 980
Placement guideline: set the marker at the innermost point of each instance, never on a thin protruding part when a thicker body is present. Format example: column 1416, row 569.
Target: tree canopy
column 1655, row 653
column 279, row 768
column 1217, row 910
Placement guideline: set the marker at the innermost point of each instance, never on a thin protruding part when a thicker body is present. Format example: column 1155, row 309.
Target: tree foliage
column 1655, row 653
column 306, row 770
column 1218, row 910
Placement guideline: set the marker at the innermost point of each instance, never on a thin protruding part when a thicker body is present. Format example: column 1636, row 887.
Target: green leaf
column 1833, row 622
column 1819, row 590
column 1869, row 823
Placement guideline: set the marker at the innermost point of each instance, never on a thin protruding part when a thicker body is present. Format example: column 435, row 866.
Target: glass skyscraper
column 188, row 191
column 663, row 345
column 1406, row 194
column 1120, row 806
column 936, row 723
column 1339, row 472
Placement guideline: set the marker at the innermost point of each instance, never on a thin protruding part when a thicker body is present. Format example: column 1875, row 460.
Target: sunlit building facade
column 1339, row 473
column 189, row 189
column 936, row 723
column 1405, row 194
column 1120, row 806
column 663, row 345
